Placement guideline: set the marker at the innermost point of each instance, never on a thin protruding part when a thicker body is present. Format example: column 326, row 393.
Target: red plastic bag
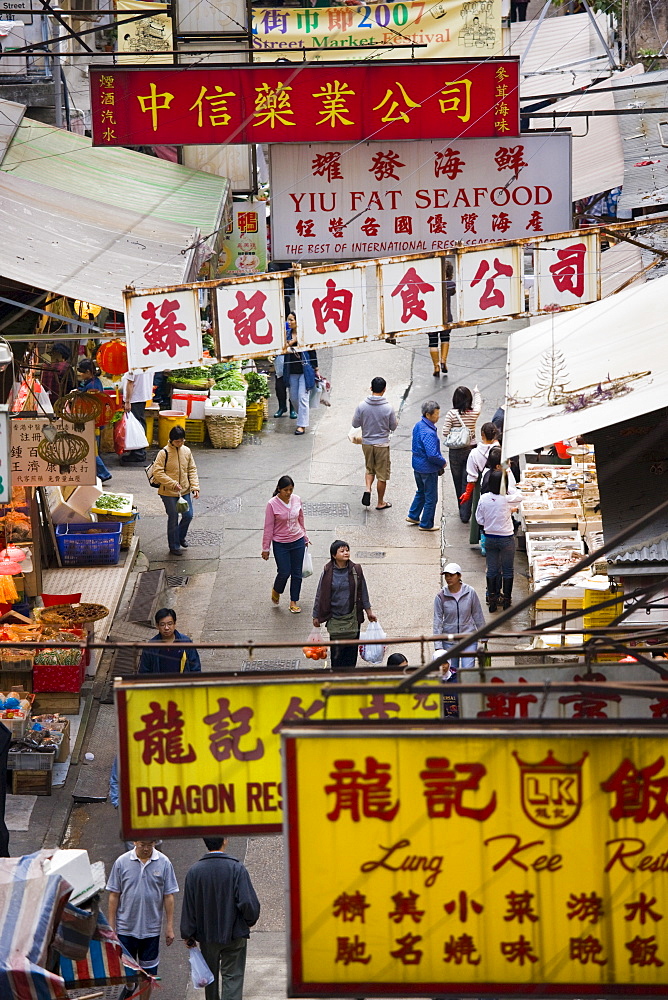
column 119, row 435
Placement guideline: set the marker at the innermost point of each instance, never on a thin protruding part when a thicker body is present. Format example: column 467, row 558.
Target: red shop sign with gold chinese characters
column 430, row 861
column 326, row 102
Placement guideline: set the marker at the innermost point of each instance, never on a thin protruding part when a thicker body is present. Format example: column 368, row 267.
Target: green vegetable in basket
column 258, row 387
column 110, row 501
column 231, row 381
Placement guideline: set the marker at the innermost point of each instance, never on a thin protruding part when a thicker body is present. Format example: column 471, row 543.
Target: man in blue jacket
column 428, row 465
column 169, row 658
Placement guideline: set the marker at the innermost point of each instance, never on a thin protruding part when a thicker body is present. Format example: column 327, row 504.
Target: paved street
column 227, row 594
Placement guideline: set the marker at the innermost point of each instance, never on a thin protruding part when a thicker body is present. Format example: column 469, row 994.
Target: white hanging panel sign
column 331, row 307
column 163, row 330
column 412, row 296
column 251, row 318
column 378, row 199
column 567, row 271
column 490, row 284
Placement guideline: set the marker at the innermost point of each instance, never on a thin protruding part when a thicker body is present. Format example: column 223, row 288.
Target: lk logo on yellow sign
column 479, row 864
column 198, row 755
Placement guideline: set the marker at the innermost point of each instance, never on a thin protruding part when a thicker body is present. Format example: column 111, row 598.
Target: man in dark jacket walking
column 169, row 658
column 428, row 465
column 219, row 908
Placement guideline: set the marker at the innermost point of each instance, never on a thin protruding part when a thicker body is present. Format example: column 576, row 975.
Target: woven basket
column 77, row 614
column 127, row 520
column 265, row 409
column 225, row 432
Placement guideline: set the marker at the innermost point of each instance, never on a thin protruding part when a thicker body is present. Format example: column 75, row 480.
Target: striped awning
column 106, row 963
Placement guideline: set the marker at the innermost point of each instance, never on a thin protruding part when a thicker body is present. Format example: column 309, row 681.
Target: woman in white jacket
column 457, row 610
column 494, row 515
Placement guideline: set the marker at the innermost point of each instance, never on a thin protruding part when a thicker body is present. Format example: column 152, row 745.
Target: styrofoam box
column 74, row 866
column 190, row 401
column 63, row 513
column 84, row 497
column 224, row 411
column 233, row 393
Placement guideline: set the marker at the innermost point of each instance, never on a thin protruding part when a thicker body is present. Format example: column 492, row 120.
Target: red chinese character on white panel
column 334, row 308
column 492, row 296
column 490, row 283
column 568, row 273
column 251, row 324
column 412, row 289
column 161, row 332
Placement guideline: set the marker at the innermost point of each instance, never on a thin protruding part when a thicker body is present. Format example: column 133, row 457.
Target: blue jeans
column 462, row 663
column 423, row 507
column 289, row 558
column 299, row 398
column 500, row 555
column 177, row 530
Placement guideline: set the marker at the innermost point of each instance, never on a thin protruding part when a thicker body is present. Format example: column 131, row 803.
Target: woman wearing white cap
column 457, row 610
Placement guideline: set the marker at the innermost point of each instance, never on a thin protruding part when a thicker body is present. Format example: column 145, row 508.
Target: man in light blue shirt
column 141, row 883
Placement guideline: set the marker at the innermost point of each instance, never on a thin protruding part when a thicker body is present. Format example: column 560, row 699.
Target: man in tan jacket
column 175, row 470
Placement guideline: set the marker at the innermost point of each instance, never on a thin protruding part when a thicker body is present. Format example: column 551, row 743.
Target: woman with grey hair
column 428, row 464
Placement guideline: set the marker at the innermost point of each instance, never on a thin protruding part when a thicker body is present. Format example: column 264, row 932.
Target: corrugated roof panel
column 644, row 143
column 598, row 155
column 653, row 552
column 563, row 46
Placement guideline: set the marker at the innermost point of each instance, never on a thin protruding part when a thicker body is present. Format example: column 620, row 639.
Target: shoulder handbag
column 309, row 373
column 150, row 469
column 458, row 437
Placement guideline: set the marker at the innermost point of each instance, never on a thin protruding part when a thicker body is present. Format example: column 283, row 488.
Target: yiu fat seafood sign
column 429, row 862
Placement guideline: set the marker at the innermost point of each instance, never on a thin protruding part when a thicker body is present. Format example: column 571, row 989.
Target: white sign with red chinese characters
column 567, row 271
column 251, row 318
column 331, row 307
column 490, row 284
column 378, row 199
column 412, row 296
column 574, row 705
column 163, row 329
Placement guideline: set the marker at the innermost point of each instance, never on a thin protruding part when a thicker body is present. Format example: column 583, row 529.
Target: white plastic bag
column 355, row 435
column 200, row 973
column 371, row 648
column 307, row 565
column 135, row 436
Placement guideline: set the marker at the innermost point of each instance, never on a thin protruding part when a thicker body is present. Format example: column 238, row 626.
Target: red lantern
column 109, row 407
column 112, row 357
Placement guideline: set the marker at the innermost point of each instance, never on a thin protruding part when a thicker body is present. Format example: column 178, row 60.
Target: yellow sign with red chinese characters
column 434, row 860
column 196, row 756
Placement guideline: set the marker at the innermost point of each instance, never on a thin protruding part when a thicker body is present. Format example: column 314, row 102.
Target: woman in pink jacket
column 284, row 530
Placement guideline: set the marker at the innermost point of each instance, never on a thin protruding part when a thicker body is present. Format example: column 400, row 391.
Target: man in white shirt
column 137, row 388
column 142, row 883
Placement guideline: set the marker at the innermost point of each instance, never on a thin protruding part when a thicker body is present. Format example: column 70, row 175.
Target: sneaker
column 436, row 527
column 175, row 552
column 183, row 544
column 412, row 520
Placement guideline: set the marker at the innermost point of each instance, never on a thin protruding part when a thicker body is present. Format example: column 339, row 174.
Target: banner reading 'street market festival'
column 448, row 29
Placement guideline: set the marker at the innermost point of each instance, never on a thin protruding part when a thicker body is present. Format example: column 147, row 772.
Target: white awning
column 565, row 53
column 85, row 249
column 615, row 339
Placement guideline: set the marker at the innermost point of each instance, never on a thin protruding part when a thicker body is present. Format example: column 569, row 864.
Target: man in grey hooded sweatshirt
column 377, row 419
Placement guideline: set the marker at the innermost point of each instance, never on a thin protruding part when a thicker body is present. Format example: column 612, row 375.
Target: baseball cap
column 452, row 568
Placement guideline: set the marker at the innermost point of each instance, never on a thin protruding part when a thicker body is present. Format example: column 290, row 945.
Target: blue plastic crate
column 89, row 544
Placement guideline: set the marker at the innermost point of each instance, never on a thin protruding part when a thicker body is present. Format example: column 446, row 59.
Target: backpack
column 150, row 469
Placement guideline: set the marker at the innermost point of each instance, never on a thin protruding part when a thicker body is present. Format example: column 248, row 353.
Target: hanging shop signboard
column 577, row 705
column 163, row 330
column 377, row 198
column 199, row 755
column 568, row 272
column 251, row 316
column 490, row 284
column 436, row 863
column 28, row 468
column 152, row 33
column 349, row 103
column 245, row 241
column 444, row 30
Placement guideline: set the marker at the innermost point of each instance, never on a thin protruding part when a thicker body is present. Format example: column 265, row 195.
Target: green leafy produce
column 231, row 381
column 258, row 387
column 207, row 342
column 110, row 501
column 191, row 375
